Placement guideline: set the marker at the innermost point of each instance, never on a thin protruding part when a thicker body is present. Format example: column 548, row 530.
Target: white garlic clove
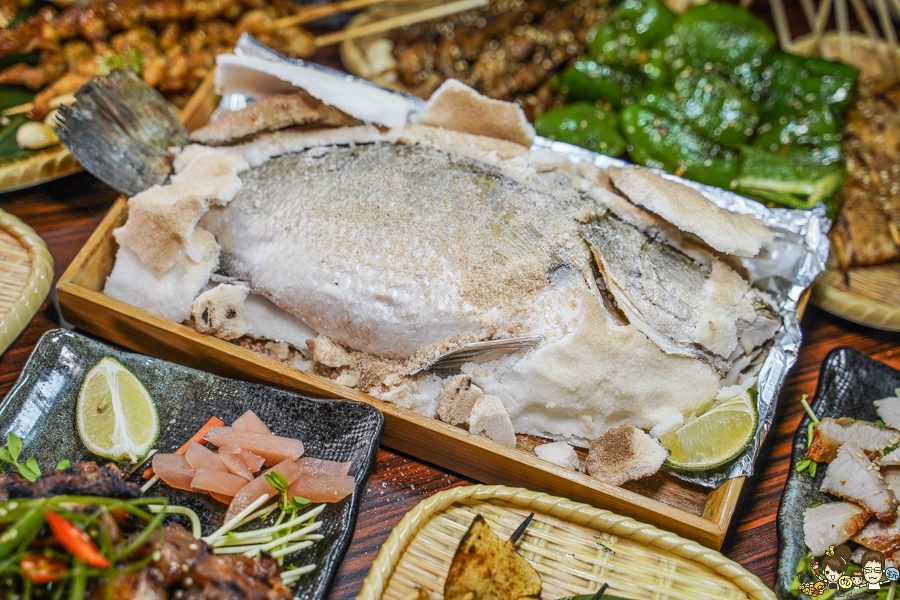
column 35, row 135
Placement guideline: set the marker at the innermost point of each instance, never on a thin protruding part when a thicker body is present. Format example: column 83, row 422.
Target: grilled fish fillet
column 831, row 433
column 852, row 476
column 832, row 524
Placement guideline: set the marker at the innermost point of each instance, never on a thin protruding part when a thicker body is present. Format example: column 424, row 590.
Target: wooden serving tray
column 663, row 500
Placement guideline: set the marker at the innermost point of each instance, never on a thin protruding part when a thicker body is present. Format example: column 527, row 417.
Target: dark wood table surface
column 65, row 212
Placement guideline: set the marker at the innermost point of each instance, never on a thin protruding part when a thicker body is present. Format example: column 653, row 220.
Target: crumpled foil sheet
column 785, row 269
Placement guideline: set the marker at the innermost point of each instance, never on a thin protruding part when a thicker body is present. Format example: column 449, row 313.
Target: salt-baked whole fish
column 393, row 244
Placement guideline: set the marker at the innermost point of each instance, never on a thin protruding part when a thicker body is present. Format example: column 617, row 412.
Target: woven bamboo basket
column 574, row 547
column 26, row 273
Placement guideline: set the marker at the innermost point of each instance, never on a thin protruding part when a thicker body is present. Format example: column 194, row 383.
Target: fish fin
column 480, row 352
column 120, row 129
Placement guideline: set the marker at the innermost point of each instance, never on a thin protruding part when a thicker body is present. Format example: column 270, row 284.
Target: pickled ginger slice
column 226, row 484
column 322, row 488
column 201, row 457
column 250, row 422
column 259, row 486
column 318, row 466
column 254, row 462
column 231, row 458
column 174, row 469
column 273, row 448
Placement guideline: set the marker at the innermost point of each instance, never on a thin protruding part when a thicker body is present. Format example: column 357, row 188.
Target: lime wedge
column 116, row 416
column 714, row 438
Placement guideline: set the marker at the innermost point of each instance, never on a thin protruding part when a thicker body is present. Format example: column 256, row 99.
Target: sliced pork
column 852, row 476
column 832, row 524
column 831, row 433
column 889, row 410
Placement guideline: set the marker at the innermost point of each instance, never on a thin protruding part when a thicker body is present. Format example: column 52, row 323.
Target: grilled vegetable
column 798, row 81
column 585, row 125
column 633, row 27
column 75, row 540
column 660, row 141
column 589, row 80
column 788, row 181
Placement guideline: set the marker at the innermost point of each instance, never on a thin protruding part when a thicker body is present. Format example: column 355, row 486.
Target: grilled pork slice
column 851, row 475
column 857, row 555
column 891, row 459
column 143, row 584
column 881, row 536
column 889, row 410
column 832, row 524
column 831, row 433
column 236, row 577
column 84, row 479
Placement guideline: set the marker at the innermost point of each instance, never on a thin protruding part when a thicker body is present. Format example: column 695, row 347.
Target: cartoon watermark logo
column 833, row 572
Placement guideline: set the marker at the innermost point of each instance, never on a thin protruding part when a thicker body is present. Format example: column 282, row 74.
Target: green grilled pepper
column 710, row 104
column 660, row 141
column 788, row 181
column 589, row 80
column 814, row 133
column 633, row 27
column 794, row 82
column 722, row 37
column 585, row 125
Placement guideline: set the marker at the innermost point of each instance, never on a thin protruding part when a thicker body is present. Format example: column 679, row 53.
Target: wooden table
column 65, row 212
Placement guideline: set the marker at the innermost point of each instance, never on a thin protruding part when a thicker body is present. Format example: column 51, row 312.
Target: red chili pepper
column 40, row 569
column 75, row 540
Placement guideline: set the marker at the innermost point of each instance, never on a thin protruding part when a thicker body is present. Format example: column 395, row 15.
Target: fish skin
column 689, row 308
column 377, row 267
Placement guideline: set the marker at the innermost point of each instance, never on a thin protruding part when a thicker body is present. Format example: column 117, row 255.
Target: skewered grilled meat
column 84, row 479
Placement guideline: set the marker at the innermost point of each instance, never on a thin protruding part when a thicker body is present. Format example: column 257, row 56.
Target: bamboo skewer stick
column 843, row 26
column 821, row 22
column 746, row 3
column 887, row 27
column 24, row 108
column 320, row 12
column 428, row 14
column 896, row 4
column 781, row 24
column 809, row 11
column 865, row 19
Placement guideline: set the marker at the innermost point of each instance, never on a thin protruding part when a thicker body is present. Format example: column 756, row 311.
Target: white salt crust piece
column 257, row 77
column 457, row 106
column 623, row 454
column 669, row 424
column 687, row 209
column 161, row 219
column 168, row 295
column 265, row 146
column 220, row 311
column 559, row 453
column 491, row 420
column 457, row 399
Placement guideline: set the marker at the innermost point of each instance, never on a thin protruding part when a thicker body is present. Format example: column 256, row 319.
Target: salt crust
column 220, row 311
column 687, row 209
column 623, row 454
column 168, row 295
column 457, row 399
column 559, row 453
column 491, row 420
column 257, row 77
column 161, row 219
column 456, row 106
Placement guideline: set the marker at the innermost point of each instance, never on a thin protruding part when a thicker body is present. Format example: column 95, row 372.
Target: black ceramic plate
column 848, row 384
column 40, row 408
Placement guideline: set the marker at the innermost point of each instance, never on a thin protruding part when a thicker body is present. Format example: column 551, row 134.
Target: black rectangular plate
column 40, row 408
column 849, row 382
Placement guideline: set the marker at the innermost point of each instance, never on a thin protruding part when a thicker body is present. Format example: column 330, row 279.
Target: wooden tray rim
column 583, row 514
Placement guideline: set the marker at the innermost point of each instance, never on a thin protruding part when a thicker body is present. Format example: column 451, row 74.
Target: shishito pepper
column 814, row 132
column 722, row 37
column 710, row 104
column 660, row 141
column 795, row 82
column 589, row 80
column 585, row 125
column 632, row 28
column 786, row 180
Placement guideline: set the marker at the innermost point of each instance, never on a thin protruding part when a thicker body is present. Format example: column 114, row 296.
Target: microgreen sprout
column 807, row 465
column 10, row 455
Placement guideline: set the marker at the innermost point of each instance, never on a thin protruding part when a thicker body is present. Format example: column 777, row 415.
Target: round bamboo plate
column 574, row 547
column 866, row 295
column 45, row 166
column 26, row 273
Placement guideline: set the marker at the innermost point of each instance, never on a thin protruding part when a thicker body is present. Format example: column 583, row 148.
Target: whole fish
column 393, row 253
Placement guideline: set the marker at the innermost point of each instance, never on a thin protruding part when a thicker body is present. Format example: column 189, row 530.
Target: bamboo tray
column 26, row 273
column 574, row 547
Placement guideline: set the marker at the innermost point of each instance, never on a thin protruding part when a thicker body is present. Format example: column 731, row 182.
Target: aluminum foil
column 784, row 269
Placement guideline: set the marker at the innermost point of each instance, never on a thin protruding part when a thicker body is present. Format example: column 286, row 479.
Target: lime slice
column 116, row 416
column 714, row 438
